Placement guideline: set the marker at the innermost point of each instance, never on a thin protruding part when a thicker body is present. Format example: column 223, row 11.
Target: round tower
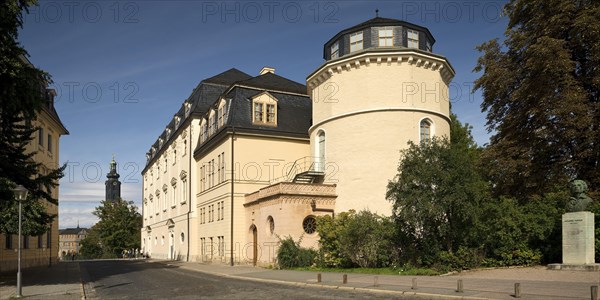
column 380, row 87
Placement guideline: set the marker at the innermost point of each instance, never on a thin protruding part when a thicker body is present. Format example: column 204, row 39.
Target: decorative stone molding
column 287, row 190
column 399, row 57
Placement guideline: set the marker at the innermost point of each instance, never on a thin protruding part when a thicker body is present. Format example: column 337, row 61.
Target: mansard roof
column 203, row 95
column 294, row 109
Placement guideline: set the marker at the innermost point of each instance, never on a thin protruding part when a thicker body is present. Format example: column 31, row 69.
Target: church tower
column 381, row 86
column 113, row 185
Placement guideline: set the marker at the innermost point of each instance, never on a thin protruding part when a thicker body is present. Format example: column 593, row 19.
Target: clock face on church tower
column 115, row 183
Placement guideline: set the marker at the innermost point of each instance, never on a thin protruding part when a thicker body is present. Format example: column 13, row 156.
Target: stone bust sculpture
column 579, row 201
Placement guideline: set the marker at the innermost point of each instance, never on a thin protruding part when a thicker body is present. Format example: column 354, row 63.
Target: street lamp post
column 20, row 195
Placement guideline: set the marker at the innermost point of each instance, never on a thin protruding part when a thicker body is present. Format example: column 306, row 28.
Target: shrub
column 291, row 255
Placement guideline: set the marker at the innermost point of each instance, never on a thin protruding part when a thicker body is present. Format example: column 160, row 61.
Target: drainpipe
column 232, row 190
column 189, row 179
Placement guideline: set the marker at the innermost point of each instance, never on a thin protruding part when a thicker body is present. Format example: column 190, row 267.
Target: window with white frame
column 211, row 123
column 184, row 190
column 212, row 172
column 265, row 111
column 356, row 41
column 222, row 114
column 218, row 211
column 413, row 38
column 202, row 178
column 386, row 37
column 165, row 198
column 335, row 50
column 173, row 193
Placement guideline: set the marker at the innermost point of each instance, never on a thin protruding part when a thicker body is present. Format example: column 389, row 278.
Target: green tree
column 541, row 92
column 118, row 229
column 22, row 96
column 437, row 196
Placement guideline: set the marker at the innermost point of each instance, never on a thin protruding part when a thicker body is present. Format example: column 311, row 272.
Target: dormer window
column 204, row 131
column 221, row 114
column 413, row 39
column 211, row 123
column 177, row 120
column 428, row 46
column 356, row 41
column 264, row 109
column 187, row 108
column 386, row 37
column 335, row 50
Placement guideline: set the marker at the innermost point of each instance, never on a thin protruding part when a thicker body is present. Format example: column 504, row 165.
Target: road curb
column 317, row 285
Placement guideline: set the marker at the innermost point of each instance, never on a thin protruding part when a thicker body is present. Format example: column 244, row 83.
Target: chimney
column 265, row 70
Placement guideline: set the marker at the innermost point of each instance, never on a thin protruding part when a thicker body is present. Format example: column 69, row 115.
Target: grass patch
column 380, row 271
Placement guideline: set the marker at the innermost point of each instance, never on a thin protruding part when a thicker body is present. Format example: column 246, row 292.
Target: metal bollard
column 345, row 279
column 376, row 283
column 517, row 290
column 459, row 286
column 319, row 277
column 594, row 292
column 414, row 284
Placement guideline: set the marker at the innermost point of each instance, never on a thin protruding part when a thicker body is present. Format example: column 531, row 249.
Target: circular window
column 271, row 224
column 309, row 224
column 182, row 237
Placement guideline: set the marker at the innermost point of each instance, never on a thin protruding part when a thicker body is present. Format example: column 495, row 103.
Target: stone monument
column 578, row 231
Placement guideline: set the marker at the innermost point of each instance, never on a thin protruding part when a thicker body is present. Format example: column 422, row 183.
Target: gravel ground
column 532, row 273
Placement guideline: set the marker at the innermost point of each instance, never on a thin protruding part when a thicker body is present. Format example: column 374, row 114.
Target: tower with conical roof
column 381, row 86
column 113, row 185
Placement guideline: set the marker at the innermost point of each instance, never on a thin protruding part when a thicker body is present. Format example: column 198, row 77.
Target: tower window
column 425, row 131
column 356, row 41
column 413, row 39
column 386, row 37
column 335, row 50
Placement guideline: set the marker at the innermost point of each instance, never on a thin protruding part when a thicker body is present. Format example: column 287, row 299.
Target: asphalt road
column 144, row 280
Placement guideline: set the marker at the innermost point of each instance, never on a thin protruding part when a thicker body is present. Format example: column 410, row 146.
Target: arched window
column 320, row 165
column 425, row 131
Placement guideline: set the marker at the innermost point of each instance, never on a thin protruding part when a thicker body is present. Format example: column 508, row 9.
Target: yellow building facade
column 39, row 250
column 271, row 154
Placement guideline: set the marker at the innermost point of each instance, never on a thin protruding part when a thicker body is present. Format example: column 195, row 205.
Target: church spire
column 113, row 185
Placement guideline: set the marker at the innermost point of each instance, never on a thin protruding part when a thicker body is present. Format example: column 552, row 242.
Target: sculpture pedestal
column 577, row 242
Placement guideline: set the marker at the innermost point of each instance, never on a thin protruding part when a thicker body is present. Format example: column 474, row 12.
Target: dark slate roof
column 270, row 81
column 294, row 108
column 71, row 230
column 228, row 77
column 206, row 93
column 376, row 22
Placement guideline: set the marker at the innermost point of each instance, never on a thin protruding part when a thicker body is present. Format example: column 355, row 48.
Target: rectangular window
column 258, row 112
column 222, row 116
column 49, row 238
column 202, row 179
column 212, row 173
column 215, row 125
column 413, row 39
column 173, row 203
column 222, row 210
column 165, row 201
column 222, row 166
column 335, row 50
column 8, row 242
column 219, row 211
column 49, row 143
column 25, row 242
column 202, row 246
column 184, row 191
column 270, row 113
column 428, row 46
column 40, row 241
column 386, row 37
column 210, row 125
column 356, row 41
column 41, row 136
column 219, row 169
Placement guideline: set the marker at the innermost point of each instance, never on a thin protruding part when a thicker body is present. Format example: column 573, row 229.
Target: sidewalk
column 60, row 281
column 535, row 283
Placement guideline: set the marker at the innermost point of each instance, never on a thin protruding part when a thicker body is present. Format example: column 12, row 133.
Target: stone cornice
column 390, row 57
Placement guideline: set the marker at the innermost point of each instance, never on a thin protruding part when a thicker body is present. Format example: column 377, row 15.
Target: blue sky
column 122, row 69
